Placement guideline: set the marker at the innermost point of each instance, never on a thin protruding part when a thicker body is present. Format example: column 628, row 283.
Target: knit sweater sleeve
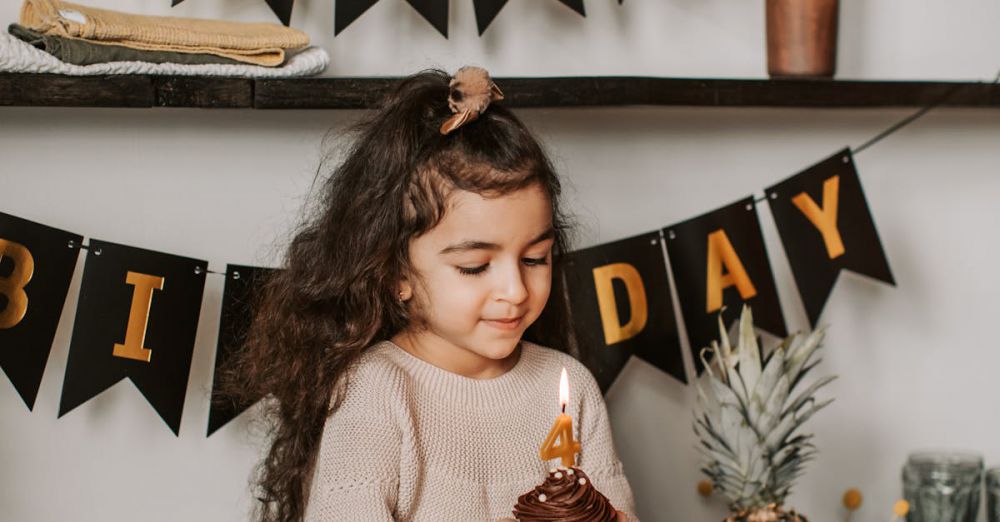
column 357, row 468
column 598, row 457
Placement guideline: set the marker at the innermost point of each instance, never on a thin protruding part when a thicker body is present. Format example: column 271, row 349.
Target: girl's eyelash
column 476, row 270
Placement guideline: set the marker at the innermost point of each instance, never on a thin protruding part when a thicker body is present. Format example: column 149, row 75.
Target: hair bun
column 471, row 90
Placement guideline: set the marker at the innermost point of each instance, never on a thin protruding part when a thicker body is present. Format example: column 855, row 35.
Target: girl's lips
column 510, row 324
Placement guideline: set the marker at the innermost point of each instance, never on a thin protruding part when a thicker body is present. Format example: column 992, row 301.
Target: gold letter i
column 138, row 317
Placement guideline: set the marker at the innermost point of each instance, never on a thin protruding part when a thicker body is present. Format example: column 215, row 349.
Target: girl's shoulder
column 381, row 363
column 374, row 374
column 378, row 355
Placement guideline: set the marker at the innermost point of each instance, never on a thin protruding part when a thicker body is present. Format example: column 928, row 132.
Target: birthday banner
column 620, row 300
column 434, row 11
column 136, row 317
column 43, row 258
column 719, row 261
column 826, row 198
column 242, row 282
column 137, row 311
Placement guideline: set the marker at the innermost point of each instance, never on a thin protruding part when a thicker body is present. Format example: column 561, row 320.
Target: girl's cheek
column 541, row 285
column 542, row 275
column 467, row 290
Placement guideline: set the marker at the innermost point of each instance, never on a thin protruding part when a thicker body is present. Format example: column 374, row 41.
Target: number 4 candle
column 562, row 430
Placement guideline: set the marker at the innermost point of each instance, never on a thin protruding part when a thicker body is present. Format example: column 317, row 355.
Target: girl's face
column 484, row 276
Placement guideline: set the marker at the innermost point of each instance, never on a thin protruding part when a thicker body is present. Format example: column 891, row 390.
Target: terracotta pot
column 802, row 38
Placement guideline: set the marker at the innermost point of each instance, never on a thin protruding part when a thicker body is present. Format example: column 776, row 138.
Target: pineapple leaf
column 804, row 371
column 740, row 388
column 799, row 355
column 808, row 394
column 765, row 388
column 727, row 350
column 786, row 343
column 771, row 412
column 749, row 352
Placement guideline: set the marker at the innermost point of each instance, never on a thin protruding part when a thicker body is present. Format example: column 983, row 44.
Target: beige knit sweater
column 414, row 442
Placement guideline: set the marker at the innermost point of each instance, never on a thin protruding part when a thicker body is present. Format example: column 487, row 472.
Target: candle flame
column 563, row 389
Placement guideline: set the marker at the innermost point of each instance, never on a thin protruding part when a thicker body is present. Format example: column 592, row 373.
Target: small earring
column 402, row 296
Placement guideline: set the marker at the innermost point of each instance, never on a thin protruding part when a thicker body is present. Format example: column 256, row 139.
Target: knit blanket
column 21, row 57
column 255, row 43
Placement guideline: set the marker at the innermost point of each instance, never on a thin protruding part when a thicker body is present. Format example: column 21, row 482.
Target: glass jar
column 993, row 495
column 942, row 486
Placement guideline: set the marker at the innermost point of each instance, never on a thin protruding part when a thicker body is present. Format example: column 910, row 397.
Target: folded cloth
column 83, row 52
column 21, row 57
column 255, row 43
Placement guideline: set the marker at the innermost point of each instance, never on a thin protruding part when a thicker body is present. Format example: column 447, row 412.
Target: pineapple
column 747, row 422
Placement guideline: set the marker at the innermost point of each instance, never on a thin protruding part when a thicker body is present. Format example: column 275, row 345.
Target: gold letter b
column 13, row 286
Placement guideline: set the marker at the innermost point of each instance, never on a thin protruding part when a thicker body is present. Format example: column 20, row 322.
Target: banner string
column 197, row 269
column 910, row 119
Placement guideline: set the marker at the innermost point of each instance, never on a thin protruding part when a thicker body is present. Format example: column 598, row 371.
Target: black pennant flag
column 435, row 12
column 486, row 11
column 576, row 5
column 36, row 266
column 347, row 11
column 242, row 283
column 825, row 226
column 719, row 261
column 136, row 318
column 620, row 300
column 281, row 8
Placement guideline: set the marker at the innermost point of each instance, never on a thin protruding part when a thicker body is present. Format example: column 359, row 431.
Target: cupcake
column 566, row 496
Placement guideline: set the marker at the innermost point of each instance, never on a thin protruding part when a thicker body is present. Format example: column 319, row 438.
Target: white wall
column 915, row 362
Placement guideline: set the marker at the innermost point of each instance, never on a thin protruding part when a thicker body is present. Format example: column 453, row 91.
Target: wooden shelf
column 363, row 93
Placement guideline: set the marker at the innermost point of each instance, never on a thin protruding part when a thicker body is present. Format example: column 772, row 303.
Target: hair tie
column 471, row 92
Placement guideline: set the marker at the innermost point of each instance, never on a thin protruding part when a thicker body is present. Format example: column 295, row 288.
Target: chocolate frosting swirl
column 566, row 496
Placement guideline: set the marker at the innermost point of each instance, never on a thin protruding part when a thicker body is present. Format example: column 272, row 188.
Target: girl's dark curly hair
column 337, row 292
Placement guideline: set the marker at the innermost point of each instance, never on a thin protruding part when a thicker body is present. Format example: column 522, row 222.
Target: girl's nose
column 512, row 286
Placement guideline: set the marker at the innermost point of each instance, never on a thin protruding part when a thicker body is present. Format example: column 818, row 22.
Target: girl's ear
column 405, row 291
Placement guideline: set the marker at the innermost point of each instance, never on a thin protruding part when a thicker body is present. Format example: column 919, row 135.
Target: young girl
column 392, row 345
